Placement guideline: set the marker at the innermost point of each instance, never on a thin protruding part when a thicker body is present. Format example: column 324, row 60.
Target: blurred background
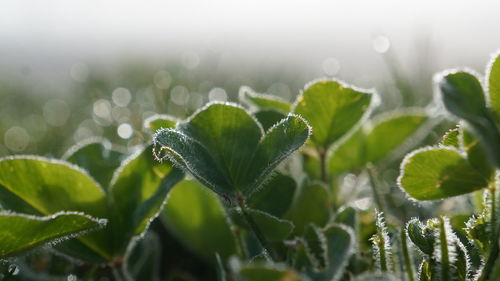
column 70, row 70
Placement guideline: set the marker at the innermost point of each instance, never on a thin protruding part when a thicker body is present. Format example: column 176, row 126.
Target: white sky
column 462, row 32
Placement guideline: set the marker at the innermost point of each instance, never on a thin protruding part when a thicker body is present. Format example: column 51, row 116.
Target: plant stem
column 406, row 255
column 242, row 251
column 495, row 230
column 383, row 255
column 322, row 162
column 324, row 178
column 256, row 230
column 445, row 255
column 374, row 185
column 118, row 273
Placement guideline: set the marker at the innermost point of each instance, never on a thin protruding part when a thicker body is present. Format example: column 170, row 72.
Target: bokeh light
column 125, row 131
column 56, row 112
column 121, row 96
column 217, row 94
column 16, row 139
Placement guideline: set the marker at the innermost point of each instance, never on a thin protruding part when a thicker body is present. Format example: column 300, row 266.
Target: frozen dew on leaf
column 226, row 149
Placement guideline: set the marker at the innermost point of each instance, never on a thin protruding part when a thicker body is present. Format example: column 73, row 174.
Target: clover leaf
column 226, row 149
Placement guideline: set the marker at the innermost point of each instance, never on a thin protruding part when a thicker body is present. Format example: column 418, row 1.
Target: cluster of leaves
column 256, row 191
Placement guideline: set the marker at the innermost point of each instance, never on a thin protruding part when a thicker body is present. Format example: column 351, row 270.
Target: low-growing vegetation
column 324, row 188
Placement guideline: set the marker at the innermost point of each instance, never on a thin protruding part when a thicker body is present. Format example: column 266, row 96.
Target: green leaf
column 256, row 272
column 20, row 232
column 438, row 172
column 476, row 154
column 311, row 165
column 274, row 229
column 197, row 218
column 276, row 195
column 478, row 230
column 189, row 154
column 391, row 130
column 310, row 205
column 425, row 271
column 279, row 142
column 268, row 118
column 229, row 134
column 263, row 101
column 375, row 140
column 97, row 157
column 474, row 258
column 421, row 235
column 463, row 263
column 348, row 155
column 332, row 108
column 493, row 76
column 463, row 96
column 225, row 148
column 53, row 186
column 160, row 121
column 139, row 189
column 452, row 138
column 315, row 247
column 347, row 216
column 340, row 246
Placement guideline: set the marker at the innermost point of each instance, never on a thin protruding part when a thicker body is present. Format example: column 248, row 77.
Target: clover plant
column 271, row 189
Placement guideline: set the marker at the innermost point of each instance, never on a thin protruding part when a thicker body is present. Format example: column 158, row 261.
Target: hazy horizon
column 50, row 37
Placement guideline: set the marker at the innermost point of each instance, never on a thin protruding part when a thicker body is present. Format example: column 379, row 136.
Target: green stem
column 383, row 255
column 242, row 250
column 256, row 230
column 445, row 255
column 324, row 179
column 118, row 273
column 495, row 233
column 406, row 255
column 322, row 162
column 374, row 185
